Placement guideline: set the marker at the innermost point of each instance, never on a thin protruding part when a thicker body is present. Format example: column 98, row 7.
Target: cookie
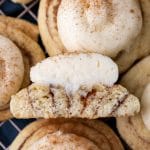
column 74, row 85
column 10, row 81
column 136, row 80
column 101, row 28
column 28, row 28
column 22, row 1
column 62, row 31
column 31, row 53
column 67, row 134
column 141, row 47
column 137, row 77
column 43, row 101
column 48, row 27
column 5, row 114
column 145, row 103
column 10, row 60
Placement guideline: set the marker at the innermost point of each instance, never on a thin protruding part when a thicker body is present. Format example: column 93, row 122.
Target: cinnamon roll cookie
column 135, row 130
column 16, row 46
column 11, row 71
column 119, row 29
column 74, row 85
column 67, row 135
column 22, row 1
column 28, row 28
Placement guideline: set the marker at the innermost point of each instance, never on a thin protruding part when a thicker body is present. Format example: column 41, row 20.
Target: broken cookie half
column 74, row 85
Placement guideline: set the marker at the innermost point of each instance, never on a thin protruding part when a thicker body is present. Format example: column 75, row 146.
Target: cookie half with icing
column 78, row 85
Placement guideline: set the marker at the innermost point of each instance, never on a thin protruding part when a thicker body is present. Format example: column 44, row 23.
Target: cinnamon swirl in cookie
column 137, row 81
column 67, row 134
column 78, row 85
column 30, row 54
column 28, row 28
column 119, row 29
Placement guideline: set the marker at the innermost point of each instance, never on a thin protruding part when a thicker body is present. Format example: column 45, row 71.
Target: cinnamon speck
column 132, row 10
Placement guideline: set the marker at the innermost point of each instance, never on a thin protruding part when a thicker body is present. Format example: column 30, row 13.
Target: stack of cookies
column 91, row 43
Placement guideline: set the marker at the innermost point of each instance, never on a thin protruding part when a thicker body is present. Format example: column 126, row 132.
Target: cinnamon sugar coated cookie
column 22, row 1
column 29, row 53
column 46, row 101
column 26, row 27
column 67, row 134
column 137, row 126
column 119, row 29
column 11, row 70
column 74, row 85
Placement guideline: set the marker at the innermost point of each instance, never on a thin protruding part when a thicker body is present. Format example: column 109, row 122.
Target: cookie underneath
column 43, row 101
column 74, row 134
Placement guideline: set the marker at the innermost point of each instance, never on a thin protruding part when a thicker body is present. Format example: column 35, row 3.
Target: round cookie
column 48, row 26
column 28, row 28
column 73, row 134
column 141, row 47
column 11, row 70
column 137, row 77
column 63, row 24
column 133, row 129
column 32, row 53
column 22, row 1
